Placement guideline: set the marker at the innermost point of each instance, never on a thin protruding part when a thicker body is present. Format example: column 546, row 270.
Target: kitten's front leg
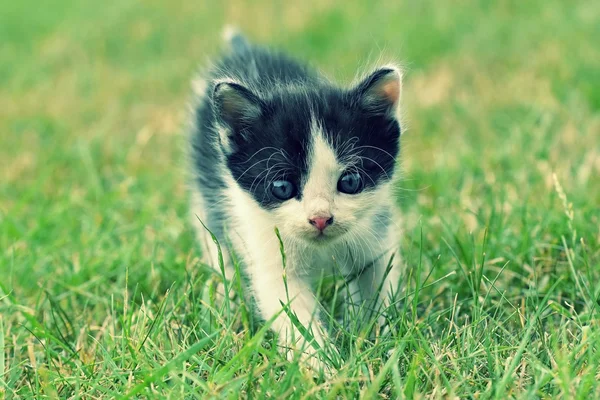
column 272, row 289
column 379, row 282
column 378, row 287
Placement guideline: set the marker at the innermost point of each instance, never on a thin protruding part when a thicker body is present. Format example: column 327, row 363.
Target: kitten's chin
column 322, row 239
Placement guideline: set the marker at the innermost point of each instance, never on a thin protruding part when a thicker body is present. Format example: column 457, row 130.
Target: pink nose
column 321, row 222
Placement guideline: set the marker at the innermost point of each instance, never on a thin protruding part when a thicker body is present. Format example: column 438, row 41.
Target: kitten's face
column 318, row 163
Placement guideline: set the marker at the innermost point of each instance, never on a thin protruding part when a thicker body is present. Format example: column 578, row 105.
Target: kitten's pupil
column 350, row 183
column 283, row 190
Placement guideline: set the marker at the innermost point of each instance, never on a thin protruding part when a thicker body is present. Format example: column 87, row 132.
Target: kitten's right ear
column 237, row 107
column 379, row 93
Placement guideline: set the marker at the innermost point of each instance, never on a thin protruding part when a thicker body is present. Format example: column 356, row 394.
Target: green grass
column 101, row 289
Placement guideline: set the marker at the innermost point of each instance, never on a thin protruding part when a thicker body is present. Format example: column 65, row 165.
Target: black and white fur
column 262, row 118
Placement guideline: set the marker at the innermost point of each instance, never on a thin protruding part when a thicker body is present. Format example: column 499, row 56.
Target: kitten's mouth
column 323, row 237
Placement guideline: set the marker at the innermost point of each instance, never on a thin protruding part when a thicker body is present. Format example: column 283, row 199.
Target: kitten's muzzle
column 321, row 222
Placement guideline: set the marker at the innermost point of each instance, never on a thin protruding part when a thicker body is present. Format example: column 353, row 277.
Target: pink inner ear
column 390, row 90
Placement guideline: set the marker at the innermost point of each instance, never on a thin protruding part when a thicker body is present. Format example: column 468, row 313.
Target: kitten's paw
column 310, row 353
column 315, row 364
column 310, row 361
column 382, row 322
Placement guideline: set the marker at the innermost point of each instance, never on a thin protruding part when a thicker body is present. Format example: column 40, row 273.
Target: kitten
column 275, row 144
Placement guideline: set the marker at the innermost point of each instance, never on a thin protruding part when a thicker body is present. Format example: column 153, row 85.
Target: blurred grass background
column 498, row 97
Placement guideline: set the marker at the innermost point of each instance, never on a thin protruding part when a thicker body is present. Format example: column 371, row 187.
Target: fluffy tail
column 241, row 47
column 237, row 41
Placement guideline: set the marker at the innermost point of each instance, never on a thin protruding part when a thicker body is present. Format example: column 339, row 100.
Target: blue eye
column 283, row 190
column 350, row 183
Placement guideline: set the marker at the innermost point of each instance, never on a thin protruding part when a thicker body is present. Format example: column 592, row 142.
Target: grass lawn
column 102, row 293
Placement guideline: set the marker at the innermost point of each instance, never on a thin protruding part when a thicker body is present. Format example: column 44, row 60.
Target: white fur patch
column 229, row 32
column 323, row 174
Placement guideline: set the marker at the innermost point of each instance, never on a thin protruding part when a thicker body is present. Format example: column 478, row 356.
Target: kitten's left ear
column 238, row 108
column 380, row 92
column 235, row 104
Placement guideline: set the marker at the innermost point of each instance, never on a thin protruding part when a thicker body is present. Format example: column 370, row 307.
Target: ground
column 102, row 292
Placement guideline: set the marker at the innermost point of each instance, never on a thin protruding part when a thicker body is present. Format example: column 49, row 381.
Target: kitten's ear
column 237, row 107
column 380, row 92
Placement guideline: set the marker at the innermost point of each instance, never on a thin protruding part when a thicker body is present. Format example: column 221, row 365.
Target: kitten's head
column 315, row 160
